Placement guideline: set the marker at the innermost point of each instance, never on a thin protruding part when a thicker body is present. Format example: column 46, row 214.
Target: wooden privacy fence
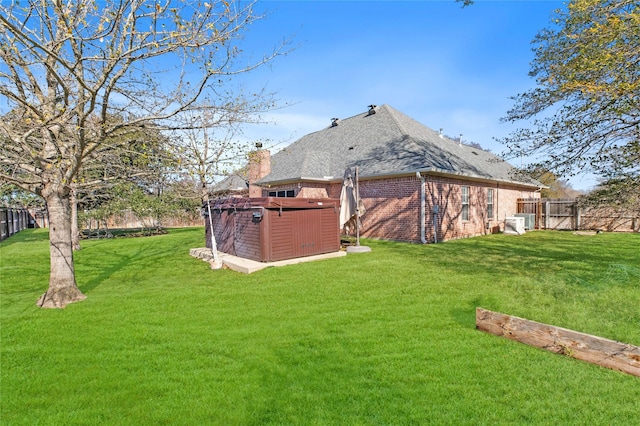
column 13, row 221
column 128, row 220
column 567, row 214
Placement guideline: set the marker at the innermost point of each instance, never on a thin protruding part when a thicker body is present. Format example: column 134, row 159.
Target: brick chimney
column 259, row 167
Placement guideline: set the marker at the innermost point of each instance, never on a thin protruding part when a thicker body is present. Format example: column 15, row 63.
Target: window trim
column 490, row 203
column 283, row 193
column 464, row 201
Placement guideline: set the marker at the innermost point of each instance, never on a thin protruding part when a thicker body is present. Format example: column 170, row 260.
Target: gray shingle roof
column 385, row 143
column 236, row 182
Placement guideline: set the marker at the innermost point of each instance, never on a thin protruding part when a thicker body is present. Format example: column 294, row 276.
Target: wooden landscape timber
column 597, row 350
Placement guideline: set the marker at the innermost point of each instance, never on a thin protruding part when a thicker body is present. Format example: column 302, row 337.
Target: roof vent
column 372, row 109
column 440, row 133
column 334, row 122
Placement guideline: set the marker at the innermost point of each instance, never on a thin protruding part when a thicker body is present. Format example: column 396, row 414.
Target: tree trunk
column 75, row 231
column 62, row 281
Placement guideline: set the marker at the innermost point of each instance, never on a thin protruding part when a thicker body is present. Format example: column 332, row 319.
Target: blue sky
column 445, row 66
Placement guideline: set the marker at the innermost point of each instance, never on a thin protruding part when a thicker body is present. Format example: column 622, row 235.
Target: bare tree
column 68, row 65
column 214, row 145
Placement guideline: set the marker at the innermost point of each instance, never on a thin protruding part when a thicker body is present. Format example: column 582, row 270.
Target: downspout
column 423, row 202
column 435, row 224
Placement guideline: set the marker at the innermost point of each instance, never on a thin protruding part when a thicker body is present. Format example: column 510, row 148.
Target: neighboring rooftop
column 236, row 182
column 383, row 141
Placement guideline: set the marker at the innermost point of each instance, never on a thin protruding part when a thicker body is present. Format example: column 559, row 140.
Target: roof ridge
column 360, row 114
column 392, row 113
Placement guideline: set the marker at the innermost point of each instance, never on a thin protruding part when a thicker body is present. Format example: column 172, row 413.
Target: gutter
column 268, row 184
column 431, row 171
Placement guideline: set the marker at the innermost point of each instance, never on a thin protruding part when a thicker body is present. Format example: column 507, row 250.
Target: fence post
column 546, row 214
column 10, row 222
column 4, row 231
column 577, row 216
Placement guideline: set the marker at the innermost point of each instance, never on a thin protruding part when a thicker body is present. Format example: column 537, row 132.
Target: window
column 490, row 204
column 283, row 194
column 465, row 203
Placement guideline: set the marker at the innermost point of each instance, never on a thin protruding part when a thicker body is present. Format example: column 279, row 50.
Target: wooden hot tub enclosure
column 271, row 229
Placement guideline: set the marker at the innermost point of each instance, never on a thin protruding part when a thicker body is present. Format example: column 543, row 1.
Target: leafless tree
column 66, row 66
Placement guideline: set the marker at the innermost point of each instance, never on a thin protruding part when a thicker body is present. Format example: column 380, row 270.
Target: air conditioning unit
column 514, row 225
column 529, row 220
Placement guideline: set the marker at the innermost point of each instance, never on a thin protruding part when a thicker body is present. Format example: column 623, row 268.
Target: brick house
column 416, row 184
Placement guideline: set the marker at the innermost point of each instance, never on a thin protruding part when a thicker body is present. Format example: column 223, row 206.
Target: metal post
column 217, row 264
column 358, row 248
column 357, row 209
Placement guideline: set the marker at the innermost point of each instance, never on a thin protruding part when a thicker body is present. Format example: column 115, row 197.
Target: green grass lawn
column 386, row 337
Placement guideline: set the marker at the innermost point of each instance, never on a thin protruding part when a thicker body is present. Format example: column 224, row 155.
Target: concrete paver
column 248, row 266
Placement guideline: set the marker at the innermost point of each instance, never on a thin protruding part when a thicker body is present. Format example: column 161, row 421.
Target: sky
column 444, row 65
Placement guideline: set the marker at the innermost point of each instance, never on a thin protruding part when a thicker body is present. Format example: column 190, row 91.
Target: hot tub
column 272, row 228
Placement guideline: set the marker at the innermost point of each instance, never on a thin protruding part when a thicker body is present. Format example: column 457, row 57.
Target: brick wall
column 393, row 206
column 314, row 191
column 259, row 167
column 447, row 194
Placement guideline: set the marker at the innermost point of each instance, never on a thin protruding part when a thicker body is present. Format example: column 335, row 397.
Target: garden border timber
column 585, row 347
